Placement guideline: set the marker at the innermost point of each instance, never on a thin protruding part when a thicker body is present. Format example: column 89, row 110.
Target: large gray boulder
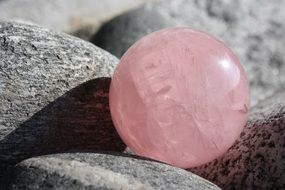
column 254, row 30
column 53, row 94
column 78, row 17
column 101, row 171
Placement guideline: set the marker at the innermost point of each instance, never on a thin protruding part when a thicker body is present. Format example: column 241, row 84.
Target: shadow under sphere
column 78, row 120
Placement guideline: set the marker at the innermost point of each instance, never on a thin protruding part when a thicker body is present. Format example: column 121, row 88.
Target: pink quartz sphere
column 179, row 96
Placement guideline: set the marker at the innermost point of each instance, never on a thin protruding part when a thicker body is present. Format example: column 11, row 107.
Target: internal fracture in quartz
column 179, row 96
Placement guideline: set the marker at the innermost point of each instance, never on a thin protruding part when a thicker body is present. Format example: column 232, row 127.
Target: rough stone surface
column 79, row 17
column 257, row 159
column 52, row 94
column 274, row 100
column 101, row 171
column 252, row 29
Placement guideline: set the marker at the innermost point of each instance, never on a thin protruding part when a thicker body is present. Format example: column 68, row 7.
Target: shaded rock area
column 257, row 159
column 102, row 171
column 54, row 94
column 79, row 17
column 254, row 31
column 120, row 33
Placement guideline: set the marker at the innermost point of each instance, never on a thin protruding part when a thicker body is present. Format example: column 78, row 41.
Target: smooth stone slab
column 101, row 171
column 53, row 94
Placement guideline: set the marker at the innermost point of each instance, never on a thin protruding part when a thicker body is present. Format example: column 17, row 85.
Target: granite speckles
column 256, row 160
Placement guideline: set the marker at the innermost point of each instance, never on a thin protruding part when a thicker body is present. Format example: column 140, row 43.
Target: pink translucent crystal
column 179, row 96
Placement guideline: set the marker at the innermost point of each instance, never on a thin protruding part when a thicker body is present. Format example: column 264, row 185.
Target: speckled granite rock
column 253, row 29
column 101, row 171
column 257, row 159
column 52, row 94
column 79, row 17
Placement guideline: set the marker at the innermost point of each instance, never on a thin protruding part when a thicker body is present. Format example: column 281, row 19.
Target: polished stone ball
column 179, row 96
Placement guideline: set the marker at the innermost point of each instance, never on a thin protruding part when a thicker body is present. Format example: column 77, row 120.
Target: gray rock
column 101, row 171
column 278, row 98
column 257, row 159
column 78, row 17
column 121, row 32
column 53, row 94
column 252, row 29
